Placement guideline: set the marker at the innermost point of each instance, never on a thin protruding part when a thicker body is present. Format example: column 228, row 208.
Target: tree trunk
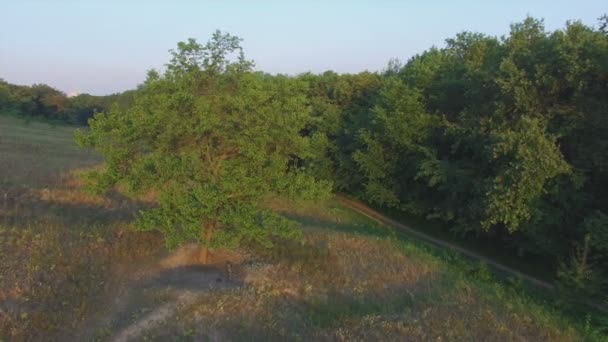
column 204, row 253
column 203, row 257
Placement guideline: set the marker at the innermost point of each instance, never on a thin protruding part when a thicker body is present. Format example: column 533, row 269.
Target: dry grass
column 53, row 278
column 62, row 252
column 342, row 286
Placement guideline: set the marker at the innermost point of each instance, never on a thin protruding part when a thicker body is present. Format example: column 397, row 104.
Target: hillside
column 72, row 268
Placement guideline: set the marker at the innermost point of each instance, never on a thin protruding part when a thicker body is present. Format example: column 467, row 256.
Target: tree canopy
column 212, row 138
column 503, row 138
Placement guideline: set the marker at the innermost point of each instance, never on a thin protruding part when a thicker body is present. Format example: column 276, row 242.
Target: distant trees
column 212, row 138
column 84, row 106
column 46, row 103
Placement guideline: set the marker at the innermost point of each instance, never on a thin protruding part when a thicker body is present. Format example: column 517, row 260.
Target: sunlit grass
column 59, row 247
column 360, row 286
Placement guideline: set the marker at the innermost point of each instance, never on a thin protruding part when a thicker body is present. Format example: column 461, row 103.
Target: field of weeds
column 61, row 251
column 71, row 268
column 353, row 281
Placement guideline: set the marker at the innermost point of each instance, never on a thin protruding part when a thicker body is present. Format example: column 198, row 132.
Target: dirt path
column 365, row 210
column 155, row 318
column 154, row 294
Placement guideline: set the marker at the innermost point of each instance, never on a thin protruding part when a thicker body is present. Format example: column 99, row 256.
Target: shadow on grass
column 304, row 318
column 393, row 301
column 154, row 292
column 72, row 214
column 364, row 227
column 188, row 277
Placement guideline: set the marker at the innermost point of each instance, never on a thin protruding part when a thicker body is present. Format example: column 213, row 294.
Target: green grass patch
column 534, row 265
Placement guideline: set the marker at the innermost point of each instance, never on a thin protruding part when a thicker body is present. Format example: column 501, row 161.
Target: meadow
column 72, row 268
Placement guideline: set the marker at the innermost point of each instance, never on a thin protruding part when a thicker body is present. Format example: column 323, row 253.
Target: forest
column 505, row 138
column 497, row 138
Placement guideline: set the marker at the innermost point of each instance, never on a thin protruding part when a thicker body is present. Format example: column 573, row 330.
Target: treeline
column 44, row 102
column 504, row 138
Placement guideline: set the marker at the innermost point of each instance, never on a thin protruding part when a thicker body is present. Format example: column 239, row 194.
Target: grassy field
column 71, row 268
column 62, row 252
column 35, row 154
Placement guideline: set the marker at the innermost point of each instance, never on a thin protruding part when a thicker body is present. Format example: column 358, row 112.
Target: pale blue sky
column 106, row 46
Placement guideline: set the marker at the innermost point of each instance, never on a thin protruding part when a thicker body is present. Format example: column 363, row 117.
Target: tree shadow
column 359, row 228
column 115, row 208
column 152, row 292
column 188, row 277
column 305, row 316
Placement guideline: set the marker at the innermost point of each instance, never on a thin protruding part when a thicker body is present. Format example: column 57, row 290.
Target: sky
column 103, row 47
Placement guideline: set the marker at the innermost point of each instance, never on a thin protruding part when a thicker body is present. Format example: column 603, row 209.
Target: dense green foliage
column 504, row 138
column 212, row 138
column 41, row 101
column 500, row 137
